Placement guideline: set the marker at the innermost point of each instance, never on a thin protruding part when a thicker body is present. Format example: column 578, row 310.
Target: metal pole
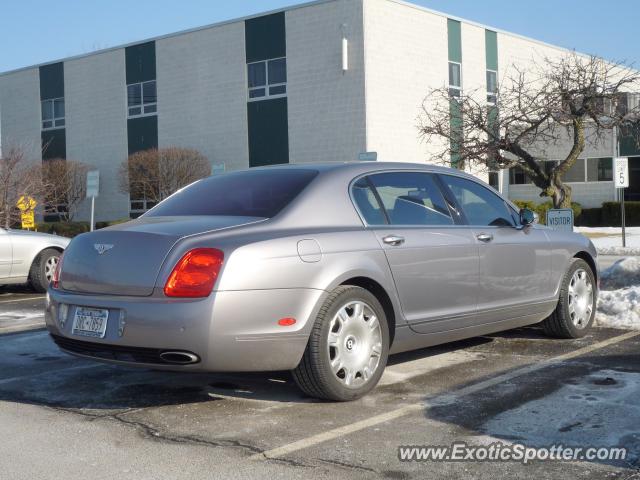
column 624, row 236
column 620, row 190
column 93, row 203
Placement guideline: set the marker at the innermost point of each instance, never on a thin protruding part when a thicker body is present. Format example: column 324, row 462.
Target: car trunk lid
column 126, row 259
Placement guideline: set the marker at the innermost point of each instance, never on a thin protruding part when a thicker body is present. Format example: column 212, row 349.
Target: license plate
column 90, row 322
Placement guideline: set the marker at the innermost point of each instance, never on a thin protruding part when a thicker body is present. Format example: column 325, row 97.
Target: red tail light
column 55, row 280
column 195, row 274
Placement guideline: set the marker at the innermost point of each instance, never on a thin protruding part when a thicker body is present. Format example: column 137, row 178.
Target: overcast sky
column 36, row 31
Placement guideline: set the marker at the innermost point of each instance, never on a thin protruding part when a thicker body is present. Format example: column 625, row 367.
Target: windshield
column 250, row 193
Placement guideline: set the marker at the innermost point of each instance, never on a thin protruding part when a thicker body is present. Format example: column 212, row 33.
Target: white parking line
column 22, row 299
column 438, row 400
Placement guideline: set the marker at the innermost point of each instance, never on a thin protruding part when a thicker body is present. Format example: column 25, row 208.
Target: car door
column 515, row 261
column 6, row 253
column 433, row 259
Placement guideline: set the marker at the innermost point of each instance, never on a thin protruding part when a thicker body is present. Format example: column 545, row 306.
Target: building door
column 633, row 192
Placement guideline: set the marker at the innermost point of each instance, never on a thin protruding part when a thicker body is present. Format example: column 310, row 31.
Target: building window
column 52, row 113
column 492, row 86
column 631, row 102
column 142, row 99
column 455, row 79
column 517, row 176
column 599, row 169
column 576, row 172
column 494, row 180
column 267, row 79
column 140, row 206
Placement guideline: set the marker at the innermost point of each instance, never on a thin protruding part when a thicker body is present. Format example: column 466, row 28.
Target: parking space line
column 22, row 299
column 438, row 400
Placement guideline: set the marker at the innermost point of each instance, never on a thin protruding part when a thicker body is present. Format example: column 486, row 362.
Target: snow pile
column 608, row 240
column 623, row 273
column 619, row 301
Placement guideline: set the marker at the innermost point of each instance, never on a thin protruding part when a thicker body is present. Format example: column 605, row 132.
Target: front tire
column 348, row 347
column 42, row 269
column 576, row 307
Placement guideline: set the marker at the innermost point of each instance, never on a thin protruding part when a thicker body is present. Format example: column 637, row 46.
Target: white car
column 29, row 257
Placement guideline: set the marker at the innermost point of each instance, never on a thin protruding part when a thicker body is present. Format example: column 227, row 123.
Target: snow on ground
column 608, row 240
column 619, row 301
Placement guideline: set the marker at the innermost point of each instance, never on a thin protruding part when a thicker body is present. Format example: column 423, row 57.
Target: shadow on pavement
column 33, row 370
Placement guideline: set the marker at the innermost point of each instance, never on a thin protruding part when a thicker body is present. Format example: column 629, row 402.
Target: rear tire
column 348, row 347
column 42, row 269
column 576, row 307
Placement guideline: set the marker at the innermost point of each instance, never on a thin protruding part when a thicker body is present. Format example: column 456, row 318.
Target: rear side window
column 408, row 198
column 250, row 193
column 480, row 205
column 367, row 203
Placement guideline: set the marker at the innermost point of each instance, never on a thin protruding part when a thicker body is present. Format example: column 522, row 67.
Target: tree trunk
column 560, row 193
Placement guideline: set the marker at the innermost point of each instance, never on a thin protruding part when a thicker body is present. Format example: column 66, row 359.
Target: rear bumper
column 228, row 331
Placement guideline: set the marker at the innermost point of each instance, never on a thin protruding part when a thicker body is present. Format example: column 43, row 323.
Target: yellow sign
column 28, row 220
column 26, row 204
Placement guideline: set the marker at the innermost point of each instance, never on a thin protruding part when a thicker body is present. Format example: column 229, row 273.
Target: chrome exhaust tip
column 179, row 358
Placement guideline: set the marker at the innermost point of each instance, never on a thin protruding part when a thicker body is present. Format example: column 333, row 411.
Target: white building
column 325, row 80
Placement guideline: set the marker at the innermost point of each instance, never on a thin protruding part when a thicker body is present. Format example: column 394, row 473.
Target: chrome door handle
column 485, row 237
column 393, row 240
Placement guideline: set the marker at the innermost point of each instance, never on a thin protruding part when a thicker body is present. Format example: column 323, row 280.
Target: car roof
column 363, row 166
column 356, row 168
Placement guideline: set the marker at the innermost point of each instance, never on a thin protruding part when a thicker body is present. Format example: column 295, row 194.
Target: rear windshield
column 251, row 193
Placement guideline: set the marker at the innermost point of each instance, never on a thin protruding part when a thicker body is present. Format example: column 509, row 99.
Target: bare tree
column 19, row 176
column 153, row 175
column 66, row 186
column 560, row 103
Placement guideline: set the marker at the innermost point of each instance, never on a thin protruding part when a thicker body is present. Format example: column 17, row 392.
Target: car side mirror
column 528, row 217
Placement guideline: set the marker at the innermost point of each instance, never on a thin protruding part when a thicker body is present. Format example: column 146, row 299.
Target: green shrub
column 65, row 229
column 611, row 214
column 100, row 225
column 525, row 204
column 71, row 229
column 590, row 217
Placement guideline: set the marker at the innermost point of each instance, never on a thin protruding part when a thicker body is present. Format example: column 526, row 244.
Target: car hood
column 46, row 237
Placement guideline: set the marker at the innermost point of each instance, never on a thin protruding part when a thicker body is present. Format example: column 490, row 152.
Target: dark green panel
column 494, row 126
column 491, row 49
column 268, row 132
column 454, row 34
column 52, row 81
column 54, row 144
column 141, row 62
column 630, row 141
column 142, row 133
column 265, row 37
column 494, row 133
column 456, row 132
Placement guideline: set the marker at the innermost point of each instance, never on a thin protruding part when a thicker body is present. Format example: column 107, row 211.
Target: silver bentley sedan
column 323, row 270
column 29, row 257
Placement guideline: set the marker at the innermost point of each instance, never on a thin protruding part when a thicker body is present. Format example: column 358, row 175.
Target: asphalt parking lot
column 63, row 417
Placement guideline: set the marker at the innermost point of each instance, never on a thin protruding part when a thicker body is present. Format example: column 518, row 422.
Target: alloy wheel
column 50, row 268
column 580, row 298
column 354, row 344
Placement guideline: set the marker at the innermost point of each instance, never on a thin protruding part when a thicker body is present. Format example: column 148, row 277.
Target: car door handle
column 484, row 237
column 393, row 240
